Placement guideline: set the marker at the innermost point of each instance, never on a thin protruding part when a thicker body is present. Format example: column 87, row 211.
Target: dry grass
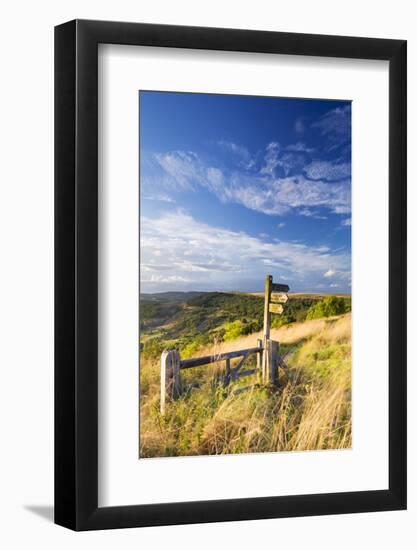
column 310, row 410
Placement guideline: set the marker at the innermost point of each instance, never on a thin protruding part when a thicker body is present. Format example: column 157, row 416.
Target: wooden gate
column 268, row 358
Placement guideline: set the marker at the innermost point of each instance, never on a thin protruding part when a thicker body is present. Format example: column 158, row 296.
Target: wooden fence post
column 270, row 370
column 170, row 376
column 227, row 377
column 273, row 364
column 259, row 360
column 265, row 360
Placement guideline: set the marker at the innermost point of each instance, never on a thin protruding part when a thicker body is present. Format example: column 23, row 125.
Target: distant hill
column 172, row 296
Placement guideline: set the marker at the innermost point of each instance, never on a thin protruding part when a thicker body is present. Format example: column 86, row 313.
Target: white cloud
column 271, row 159
column 263, row 191
column 202, row 256
column 182, row 166
column 159, row 198
column 281, row 195
column 340, row 209
column 171, row 279
column 334, row 121
column 244, row 156
column 335, row 125
column 277, row 161
column 329, row 273
column 329, row 171
column 291, row 162
column 215, row 178
column 281, row 225
column 311, row 214
column 346, row 222
column 299, row 147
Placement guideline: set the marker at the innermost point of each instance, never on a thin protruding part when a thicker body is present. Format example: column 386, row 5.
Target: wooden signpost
column 275, row 296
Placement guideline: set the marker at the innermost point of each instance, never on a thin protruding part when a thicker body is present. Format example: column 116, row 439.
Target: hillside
column 310, row 410
column 191, row 320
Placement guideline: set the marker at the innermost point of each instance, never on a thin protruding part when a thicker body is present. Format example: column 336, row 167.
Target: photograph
column 208, row 335
column 245, row 274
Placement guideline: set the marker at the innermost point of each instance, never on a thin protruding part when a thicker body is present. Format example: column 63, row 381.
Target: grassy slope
column 312, row 410
column 189, row 321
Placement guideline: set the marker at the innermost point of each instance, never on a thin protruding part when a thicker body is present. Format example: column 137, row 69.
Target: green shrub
column 238, row 328
column 278, row 321
column 331, row 305
column 190, row 349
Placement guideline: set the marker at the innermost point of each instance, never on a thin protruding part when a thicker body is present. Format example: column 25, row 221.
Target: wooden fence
column 268, row 358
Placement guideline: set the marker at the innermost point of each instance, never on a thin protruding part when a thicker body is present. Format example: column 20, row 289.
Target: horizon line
column 243, row 291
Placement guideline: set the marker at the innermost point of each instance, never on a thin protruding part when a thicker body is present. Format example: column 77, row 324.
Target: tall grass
column 311, row 409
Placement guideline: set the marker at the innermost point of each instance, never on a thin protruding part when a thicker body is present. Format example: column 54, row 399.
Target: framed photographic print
column 230, row 253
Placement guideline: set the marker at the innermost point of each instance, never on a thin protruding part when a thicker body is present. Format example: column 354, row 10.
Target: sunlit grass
column 311, row 409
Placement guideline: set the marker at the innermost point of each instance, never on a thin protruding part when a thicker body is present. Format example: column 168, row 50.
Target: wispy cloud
column 335, row 126
column 170, row 280
column 159, row 198
column 261, row 191
column 245, row 158
column 283, row 162
column 278, row 180
column 281, row 195
column 199, row 255
column 299, row 147
column 329, row 171
column 311, row 214
column 271, row 159
column 291, row 163
column 181, row 166
column 342, row 276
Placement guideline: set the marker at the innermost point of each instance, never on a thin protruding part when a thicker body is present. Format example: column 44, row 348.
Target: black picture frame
column 76, row 272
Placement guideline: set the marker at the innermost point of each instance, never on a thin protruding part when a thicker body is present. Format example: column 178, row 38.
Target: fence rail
column 208, row 359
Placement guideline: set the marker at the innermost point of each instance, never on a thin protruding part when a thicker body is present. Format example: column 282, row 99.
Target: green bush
column 190, row 349
column 238, row 328
column 331, row 305
column 277, row 321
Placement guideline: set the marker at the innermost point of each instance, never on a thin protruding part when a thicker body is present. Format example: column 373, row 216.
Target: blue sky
column 235, row 187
